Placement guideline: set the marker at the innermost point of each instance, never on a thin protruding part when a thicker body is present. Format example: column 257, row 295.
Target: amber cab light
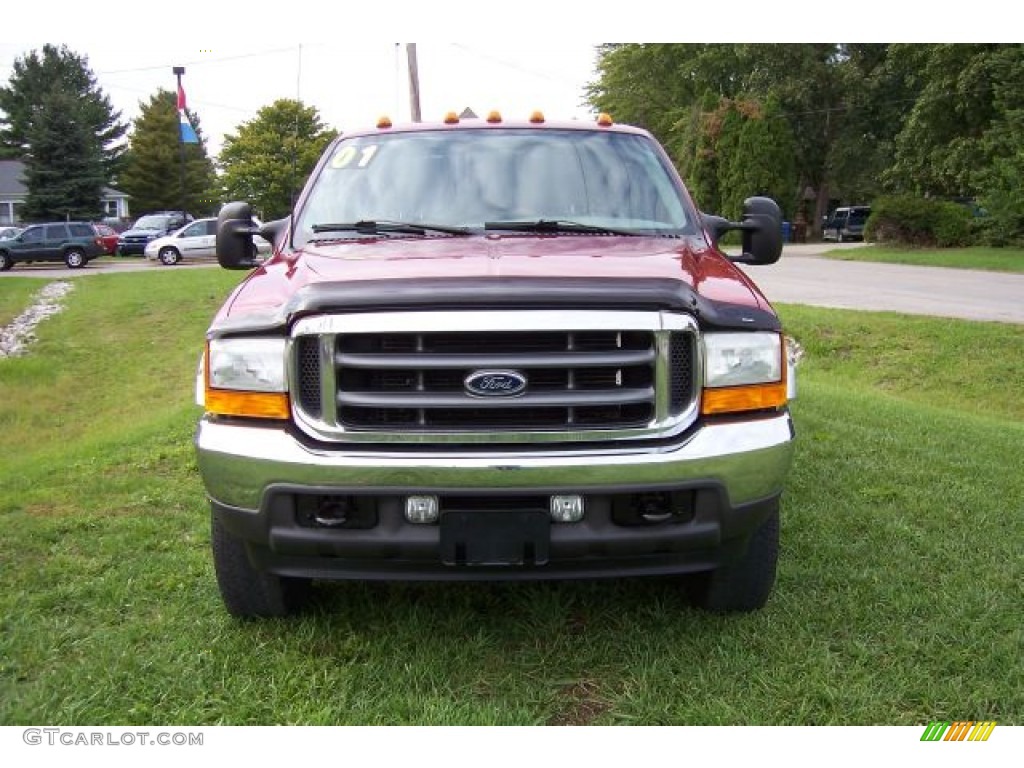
column 604, row 120
column 384, row 121
column 494, row 116
column 537, row 116
column 451, row 118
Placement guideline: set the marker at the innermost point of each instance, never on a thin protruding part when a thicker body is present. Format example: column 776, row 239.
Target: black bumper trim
column 395, row 550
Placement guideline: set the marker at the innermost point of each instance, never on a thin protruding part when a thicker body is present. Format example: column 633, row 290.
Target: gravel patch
column 20, row 332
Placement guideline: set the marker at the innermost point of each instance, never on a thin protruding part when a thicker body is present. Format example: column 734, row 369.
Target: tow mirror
column 762, row 231
column 761, row 226
column 235, row 249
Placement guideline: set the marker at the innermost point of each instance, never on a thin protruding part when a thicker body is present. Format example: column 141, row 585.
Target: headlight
column 732, row 359
column 246, row 377
column 743, row 372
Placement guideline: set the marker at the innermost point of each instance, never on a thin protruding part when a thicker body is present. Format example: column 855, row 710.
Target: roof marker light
column 537, row 116
column 494, row 116
column 383, row 121
column 604, row 119
column 451, row 118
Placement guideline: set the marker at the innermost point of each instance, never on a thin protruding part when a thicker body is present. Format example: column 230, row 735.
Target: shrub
column 917, row 221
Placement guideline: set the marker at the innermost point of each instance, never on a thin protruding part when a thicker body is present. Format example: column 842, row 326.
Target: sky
column 351, row 86
column 342, row 58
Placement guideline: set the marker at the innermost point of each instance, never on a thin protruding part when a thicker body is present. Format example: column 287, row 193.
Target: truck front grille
column 600, row 376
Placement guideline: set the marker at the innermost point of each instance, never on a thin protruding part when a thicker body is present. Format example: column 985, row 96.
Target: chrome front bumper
column 747, row 459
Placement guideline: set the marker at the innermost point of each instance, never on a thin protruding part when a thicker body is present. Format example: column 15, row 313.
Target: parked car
column 148, row 228
column 846, row 223
column 7, row 232
column 73, row 242
column 108, row 236
column 194, row 240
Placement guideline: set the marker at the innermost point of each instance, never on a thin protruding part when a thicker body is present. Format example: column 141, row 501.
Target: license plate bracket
column 482, row 538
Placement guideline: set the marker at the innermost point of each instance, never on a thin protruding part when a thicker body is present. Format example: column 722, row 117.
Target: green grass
column 16, row 295
column 990, row 259
column 898, row 599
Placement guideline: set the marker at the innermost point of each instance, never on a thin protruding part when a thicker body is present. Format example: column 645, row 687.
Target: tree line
column 57, row 120
column 812, row 125
column 815, row 125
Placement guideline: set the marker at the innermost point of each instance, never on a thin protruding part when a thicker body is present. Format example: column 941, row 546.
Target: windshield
column 152, row 222
column 467, row 178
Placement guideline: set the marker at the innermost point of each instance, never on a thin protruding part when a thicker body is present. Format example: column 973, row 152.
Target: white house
column 114, row 204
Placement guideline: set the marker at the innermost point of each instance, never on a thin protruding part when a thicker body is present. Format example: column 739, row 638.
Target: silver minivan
column 198, row 239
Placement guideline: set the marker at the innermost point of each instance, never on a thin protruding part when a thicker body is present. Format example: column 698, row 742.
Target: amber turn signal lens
column 257, row 405
column 754, row 397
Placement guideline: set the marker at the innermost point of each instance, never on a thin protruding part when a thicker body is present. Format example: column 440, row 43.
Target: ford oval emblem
column 495, row 383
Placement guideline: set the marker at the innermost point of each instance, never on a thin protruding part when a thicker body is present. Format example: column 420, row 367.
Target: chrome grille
column 402, row 376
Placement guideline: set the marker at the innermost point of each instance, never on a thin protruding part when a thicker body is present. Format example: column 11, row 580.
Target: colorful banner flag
column 186, row 133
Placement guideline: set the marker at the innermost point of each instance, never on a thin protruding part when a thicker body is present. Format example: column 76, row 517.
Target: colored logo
column 495, row 383
column 962, row 730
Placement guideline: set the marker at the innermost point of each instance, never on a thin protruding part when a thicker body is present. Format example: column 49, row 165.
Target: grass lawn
column 992, row 259
column 16, row 295
column 898, row 600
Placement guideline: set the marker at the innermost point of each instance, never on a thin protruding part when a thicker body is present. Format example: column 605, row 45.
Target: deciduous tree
column 268, row 159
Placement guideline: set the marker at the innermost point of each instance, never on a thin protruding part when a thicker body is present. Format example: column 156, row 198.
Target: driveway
column 801, row 277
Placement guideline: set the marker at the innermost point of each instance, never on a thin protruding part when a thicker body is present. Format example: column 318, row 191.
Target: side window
column 81, row 230
column 211, row 227
column 56, row 232
column 32, row 235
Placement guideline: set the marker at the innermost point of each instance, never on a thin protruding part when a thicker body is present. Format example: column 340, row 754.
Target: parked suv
column 846, row 223
column 149, row 227
column 73, row 242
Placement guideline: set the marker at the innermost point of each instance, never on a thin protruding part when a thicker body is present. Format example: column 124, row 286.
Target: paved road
column 121, row 264
column 800, row 277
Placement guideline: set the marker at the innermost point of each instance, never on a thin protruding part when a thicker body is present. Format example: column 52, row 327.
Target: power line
column 199, row 62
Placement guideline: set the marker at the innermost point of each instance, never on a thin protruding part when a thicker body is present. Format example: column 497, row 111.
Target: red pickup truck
column 495, row 350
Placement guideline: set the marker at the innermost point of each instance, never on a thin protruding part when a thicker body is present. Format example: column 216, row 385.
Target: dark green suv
column 73, row 242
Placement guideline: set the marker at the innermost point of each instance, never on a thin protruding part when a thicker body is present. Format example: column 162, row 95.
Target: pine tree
column 64, row 174
column 153, row 166
column 22, row 101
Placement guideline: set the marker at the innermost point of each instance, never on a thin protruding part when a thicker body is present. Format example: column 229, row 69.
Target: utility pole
column 414, row 82
column 178, row 72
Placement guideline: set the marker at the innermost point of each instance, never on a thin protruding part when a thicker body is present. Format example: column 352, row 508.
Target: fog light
column 421, row 509
column 566, row 509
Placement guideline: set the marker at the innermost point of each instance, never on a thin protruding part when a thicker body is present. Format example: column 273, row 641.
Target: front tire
column 169, row 256
column 745, row 584
column 75, row 258
column 246, row 591
column 6, row 262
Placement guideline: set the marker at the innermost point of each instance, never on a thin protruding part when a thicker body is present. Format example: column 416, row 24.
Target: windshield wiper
column 384, row 226
column 556, row 225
